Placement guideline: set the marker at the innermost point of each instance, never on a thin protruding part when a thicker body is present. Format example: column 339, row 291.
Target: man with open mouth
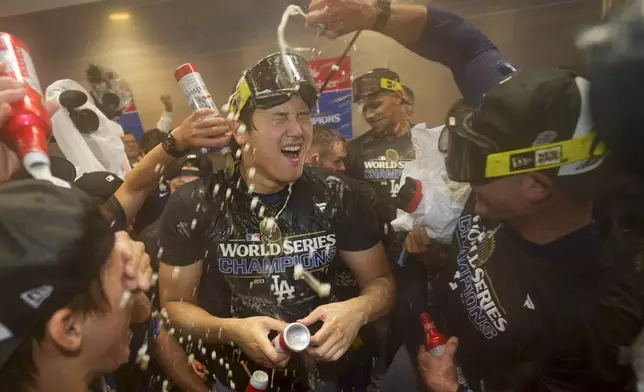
column 231, row 242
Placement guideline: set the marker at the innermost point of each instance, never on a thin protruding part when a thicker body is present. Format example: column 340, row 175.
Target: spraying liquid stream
column 291, row 10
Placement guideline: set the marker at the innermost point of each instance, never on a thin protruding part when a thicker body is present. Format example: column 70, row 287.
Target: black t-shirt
column 324, row 215
column 539, row 318
column 380, row 160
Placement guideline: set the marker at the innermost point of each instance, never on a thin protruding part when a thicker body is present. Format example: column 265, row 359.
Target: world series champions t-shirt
column 379, row 160
column 533, row 317
column 212, row 220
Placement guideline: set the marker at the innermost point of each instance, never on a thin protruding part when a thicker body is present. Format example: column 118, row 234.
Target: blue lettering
column 307, row 262
column 255, row 267
column 285, row 262
column 225, row 266
column 239, row 267
column 320, row 259
column 270, row 265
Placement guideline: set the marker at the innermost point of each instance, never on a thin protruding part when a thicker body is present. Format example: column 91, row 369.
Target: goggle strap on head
column 240, row 97
column 543, row 157
column 391, row 85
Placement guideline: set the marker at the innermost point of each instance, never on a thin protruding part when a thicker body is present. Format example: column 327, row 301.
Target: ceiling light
column 120, row 16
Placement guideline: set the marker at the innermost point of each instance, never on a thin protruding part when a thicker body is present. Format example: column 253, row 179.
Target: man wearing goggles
column 232, row 240
column 539, row 295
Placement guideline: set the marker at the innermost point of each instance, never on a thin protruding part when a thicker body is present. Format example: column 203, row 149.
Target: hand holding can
column 295, row 337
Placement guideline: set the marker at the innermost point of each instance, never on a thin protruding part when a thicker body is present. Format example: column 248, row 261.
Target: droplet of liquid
column 171, row 331
column 261, row 211
column 193, row 224
column 203, row 351
column 221, row 362
column 175, row 272
column 213, row 355
column 253, row 203
column 238, row 154
column 190, row 338
column 160, row 253
column 180, row 339
column 228, row 193
column 251, row 189
column 125, row 299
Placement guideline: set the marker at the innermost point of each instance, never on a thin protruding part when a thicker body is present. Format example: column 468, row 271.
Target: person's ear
column 313, row 159
column 537, row 187
column 65, row 329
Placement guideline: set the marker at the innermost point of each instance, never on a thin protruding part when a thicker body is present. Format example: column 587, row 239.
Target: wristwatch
column 169, row 144
column 384, row 14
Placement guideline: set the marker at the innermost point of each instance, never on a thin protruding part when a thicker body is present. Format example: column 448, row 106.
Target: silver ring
column 319, row 29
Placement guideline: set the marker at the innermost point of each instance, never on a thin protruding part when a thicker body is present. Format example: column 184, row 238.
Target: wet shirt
column 528, row 317
column 212, row 220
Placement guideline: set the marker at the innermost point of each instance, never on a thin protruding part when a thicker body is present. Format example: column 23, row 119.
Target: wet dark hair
column 324, row 138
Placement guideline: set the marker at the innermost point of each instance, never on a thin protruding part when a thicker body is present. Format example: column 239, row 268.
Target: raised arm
column 193, row 132
column 437, row 35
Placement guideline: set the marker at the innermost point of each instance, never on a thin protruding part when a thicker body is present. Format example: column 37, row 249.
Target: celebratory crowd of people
column 512, row 231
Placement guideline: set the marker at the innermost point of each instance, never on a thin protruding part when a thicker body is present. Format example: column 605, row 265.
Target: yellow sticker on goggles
column 546, row 156
column 389, row 84
column 240, row 97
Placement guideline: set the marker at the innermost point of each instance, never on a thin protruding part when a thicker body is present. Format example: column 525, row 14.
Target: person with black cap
column 242, row 233
column 539, row 295
column 63, row 277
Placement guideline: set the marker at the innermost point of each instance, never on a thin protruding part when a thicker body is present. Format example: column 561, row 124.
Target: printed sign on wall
column 333, row 109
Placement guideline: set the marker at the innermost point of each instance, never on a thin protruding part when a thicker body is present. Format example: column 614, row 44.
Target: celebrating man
column 63, row 274
column 243, row 234
column 539, row 294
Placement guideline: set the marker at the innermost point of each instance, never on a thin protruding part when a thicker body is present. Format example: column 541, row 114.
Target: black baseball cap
column 531, row 121
column 99, row 184
column 198, row 160
column 54, row 243
column 374, row 82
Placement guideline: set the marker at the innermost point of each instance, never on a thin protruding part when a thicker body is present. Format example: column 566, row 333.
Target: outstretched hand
column 341, row 17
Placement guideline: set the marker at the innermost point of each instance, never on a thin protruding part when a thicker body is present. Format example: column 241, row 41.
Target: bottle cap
column 38, row 165
column 259, row 380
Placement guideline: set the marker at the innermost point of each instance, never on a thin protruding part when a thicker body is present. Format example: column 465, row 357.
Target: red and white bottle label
column 196, row 93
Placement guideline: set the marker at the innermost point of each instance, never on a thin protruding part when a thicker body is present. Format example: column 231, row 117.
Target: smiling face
column 107, row 335
column 279, row 141
column 382, row 111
